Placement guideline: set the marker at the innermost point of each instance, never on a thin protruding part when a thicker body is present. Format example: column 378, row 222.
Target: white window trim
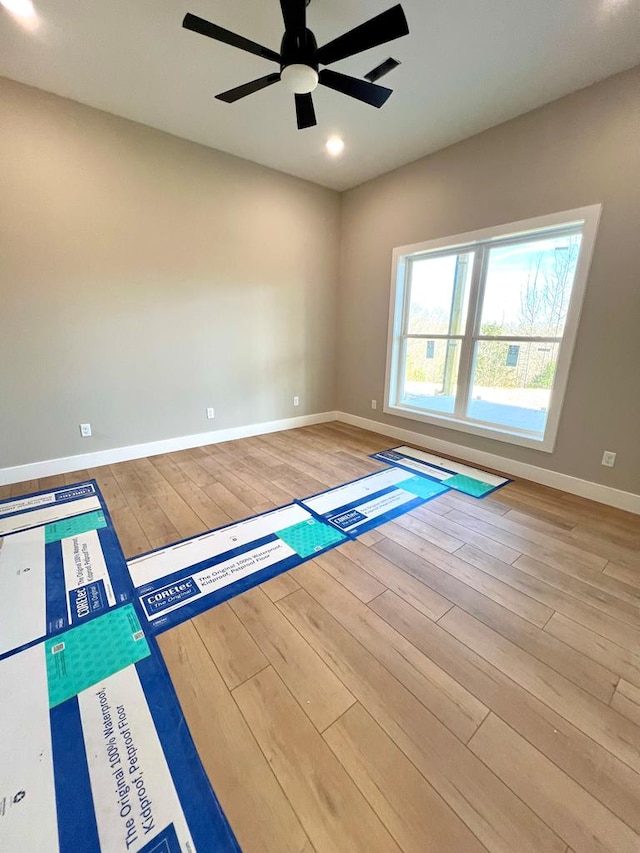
column 586, row 217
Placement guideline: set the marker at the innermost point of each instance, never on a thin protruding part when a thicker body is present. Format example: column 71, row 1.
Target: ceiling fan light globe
column 299, row 79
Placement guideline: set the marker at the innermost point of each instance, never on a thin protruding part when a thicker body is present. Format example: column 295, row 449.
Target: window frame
column 585, row 219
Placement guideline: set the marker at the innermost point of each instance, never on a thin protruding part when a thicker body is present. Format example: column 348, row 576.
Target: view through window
column 480, row 330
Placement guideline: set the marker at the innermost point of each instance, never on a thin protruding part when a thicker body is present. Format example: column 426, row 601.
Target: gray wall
column 144, row 278
column 580, row 150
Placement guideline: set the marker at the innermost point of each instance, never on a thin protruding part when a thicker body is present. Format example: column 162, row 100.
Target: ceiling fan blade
column 305, row 112
column 248, row 88
column 370, row 93
column 382, row 69
column 383, row 28
column 294, row 13
column 213, row 31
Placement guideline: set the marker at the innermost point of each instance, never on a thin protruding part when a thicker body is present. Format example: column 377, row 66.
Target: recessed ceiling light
column 23, row 11
column 334, row 146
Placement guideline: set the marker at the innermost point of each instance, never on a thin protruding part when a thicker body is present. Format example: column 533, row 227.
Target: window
column 482, row 327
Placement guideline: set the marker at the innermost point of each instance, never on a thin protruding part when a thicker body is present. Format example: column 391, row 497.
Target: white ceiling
column 466, row 66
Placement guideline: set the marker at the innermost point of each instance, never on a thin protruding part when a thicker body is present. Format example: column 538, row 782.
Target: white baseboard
column 50, row 467
column 584, row 488
column 575, row 486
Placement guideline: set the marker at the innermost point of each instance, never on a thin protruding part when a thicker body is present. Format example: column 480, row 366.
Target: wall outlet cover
column 85, row 430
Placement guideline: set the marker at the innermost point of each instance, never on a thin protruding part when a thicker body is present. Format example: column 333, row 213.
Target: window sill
column 545, row 444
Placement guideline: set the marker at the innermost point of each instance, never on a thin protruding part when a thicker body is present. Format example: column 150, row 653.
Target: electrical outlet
column 374, row 404
column 211, row 413
column 296, row 401
column 85, row 430
column 608, row 458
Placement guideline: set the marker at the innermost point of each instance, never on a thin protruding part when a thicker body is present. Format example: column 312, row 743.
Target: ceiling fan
column 300, row 57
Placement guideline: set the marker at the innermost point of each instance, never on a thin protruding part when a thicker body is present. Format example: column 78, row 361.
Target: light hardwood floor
column 463, row 679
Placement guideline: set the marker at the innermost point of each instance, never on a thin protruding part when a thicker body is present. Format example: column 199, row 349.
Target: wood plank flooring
column 465, row 678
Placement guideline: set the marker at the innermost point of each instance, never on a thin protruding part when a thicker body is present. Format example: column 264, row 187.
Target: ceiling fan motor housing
column 299, row 70
column 299, row 47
